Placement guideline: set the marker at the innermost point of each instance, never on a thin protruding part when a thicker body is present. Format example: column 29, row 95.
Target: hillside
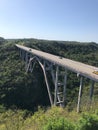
column 27, row 91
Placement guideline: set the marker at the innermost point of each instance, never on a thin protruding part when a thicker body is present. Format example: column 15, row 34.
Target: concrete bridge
column 58, row 67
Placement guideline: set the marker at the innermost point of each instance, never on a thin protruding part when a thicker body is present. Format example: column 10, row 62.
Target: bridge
column 58, row 68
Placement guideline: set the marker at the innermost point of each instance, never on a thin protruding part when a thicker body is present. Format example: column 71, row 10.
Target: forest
column 24, row 102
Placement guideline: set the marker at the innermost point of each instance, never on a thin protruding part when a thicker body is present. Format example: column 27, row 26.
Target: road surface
column 77, row 67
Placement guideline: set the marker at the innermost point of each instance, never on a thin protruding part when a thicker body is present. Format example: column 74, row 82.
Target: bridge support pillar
column 26, row 60
column 56, row 86
column 80, row 94
column 65, row 84
column 91, row 91
column 60, row 87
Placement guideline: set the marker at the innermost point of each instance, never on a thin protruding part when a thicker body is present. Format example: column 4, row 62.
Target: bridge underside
column 59, row 78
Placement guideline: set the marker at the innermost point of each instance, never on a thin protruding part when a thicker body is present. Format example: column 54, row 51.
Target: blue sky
column 69, row 20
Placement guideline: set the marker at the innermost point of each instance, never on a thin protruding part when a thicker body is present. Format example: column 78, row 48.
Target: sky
column 67, row 20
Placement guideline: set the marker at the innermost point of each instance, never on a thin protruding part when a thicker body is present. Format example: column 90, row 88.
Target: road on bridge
column 77, row 67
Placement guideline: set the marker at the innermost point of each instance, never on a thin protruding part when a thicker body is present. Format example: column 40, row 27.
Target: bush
column 58, row 124
column 88, row 122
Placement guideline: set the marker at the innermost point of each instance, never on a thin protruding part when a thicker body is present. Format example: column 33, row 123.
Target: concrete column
column 26, row 61
column 91, row 91
column 56, row 85
column 53, row 75
column 80, row 94
column 65, row 83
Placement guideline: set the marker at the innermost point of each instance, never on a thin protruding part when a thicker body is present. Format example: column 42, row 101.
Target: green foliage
column 2, row 109
column 54, row 118
column 88, row 122
column 58, row 124
column 13, row 120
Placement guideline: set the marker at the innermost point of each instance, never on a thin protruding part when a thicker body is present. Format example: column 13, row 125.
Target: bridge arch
column 34, row 59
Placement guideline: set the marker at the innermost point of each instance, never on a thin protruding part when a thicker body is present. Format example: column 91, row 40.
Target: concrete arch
column 45, row 76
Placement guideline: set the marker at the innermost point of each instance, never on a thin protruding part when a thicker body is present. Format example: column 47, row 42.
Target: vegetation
column 51, row 119
column 22, row 93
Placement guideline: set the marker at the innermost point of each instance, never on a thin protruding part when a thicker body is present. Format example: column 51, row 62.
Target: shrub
column 88, row 122
column 58, row 124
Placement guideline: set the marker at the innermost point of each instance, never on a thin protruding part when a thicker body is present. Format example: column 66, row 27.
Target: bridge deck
column 77, row 67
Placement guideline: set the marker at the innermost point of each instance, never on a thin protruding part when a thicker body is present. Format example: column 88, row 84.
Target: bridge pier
column 91, row 91
column 60, row 87
column 80, row 94
column 56, row 86
column 65, row 85
column 26, row 60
